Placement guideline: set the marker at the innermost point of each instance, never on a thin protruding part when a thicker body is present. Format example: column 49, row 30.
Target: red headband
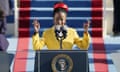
column 61, row 5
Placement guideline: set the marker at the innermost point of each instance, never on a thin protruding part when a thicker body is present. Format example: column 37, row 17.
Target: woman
column 3, row 13
column 49, row 36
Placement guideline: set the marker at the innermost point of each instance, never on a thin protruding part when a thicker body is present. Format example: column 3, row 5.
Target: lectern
column 61, row 61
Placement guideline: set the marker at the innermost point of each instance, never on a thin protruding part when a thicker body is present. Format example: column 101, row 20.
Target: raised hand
column 36, row 25
column 86, row 26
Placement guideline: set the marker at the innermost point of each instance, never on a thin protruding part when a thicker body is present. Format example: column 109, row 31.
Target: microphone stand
column 61, row 44
column 60, row 41
column 60, row 35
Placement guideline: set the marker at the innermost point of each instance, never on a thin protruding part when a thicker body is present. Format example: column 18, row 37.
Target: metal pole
column 60, row 43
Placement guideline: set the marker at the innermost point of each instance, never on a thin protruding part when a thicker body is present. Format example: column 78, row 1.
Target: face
column 60, row 18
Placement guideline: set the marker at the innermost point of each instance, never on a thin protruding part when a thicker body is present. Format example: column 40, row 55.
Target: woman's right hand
column 36, row 25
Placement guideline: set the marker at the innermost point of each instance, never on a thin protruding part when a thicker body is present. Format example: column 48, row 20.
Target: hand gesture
column 86, row 26
column 36, row 25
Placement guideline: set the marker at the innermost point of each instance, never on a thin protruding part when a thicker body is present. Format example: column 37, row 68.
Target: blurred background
column 104, row 46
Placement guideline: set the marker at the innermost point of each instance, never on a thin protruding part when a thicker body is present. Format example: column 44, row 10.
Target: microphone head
column 58, row 27
column 64, row 27
column 64, row 31
column 61, row 31
column 61, row 28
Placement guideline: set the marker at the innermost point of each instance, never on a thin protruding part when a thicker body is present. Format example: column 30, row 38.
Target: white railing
column 107, row 17
column 16, row 18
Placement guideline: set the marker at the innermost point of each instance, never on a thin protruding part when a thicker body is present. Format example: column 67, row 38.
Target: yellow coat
column 49, row 39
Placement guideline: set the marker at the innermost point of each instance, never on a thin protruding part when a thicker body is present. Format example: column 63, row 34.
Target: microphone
column 64, row 31
column 60, row 31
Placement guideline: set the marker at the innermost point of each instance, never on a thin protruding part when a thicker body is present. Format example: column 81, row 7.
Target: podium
column 61, row 61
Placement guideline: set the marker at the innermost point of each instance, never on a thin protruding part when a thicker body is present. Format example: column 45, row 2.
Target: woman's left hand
column 86, row 26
